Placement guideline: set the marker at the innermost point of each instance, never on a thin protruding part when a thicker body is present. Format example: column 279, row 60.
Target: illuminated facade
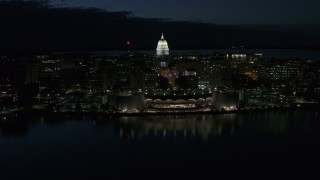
column 185, row 102
column 162, row 47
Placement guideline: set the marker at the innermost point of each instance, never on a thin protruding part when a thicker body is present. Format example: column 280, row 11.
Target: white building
column 162, row 48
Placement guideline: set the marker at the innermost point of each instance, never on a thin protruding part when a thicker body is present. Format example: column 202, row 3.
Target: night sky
column 83, row 25
column 213, row 11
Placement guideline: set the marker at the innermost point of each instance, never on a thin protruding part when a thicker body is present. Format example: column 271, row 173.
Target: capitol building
column 162, row 47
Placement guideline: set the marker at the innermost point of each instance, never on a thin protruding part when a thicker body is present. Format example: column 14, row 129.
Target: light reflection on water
column 215, row 126
column 204, row 127
column 198, row 146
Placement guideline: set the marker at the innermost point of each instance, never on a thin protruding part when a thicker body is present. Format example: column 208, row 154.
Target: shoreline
column 314, row 107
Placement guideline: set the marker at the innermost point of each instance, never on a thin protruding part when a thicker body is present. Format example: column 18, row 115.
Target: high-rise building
column 278, row 74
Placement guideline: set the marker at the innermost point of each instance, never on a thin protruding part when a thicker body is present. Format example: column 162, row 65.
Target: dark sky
column 39, row 26
column 213, row 11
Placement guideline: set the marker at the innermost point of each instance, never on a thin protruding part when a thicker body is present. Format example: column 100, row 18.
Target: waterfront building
column 150, row 81
column 214, row 72
column 278, row 74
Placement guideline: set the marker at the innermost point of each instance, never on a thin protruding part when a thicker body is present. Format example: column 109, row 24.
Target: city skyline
column 98, row 89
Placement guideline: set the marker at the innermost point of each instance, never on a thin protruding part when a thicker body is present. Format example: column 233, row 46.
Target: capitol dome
column 162, row 48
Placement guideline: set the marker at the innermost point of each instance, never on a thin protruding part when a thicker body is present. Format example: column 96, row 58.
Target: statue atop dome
column 162, row 47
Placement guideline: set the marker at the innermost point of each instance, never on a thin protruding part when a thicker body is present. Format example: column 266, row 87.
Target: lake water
column 254, row 145
column 267, row 53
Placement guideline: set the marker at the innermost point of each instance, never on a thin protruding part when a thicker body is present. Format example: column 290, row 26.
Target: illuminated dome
column 162, row 48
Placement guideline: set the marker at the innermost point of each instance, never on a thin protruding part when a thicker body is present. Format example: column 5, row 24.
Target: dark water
column 256, row 145
column 267, row 53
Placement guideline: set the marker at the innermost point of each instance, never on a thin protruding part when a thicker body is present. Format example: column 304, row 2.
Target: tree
column 182, row 82
column 163, row 82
